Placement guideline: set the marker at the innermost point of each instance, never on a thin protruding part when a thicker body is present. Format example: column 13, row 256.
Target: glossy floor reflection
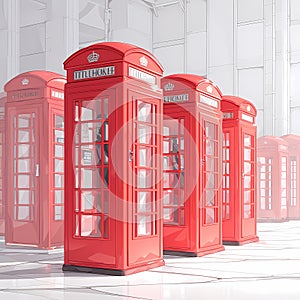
column 268, row 269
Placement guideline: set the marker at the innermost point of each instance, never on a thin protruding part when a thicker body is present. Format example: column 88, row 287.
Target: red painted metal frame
column 198, row 232
column 239, row 171
column 32, row 100
column 2, row 163
column 294, row 178
column 121, row 249
column 272, row 176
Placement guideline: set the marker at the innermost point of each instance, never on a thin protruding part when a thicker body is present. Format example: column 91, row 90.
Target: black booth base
column 202, row 252
column 240, row 243
column 114, row 272
column 180, row 253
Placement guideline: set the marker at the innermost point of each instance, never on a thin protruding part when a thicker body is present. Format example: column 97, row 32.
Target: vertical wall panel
column 250, row 10
column 196, row 53
column 250, row 41
column 251, row 86
column 172, row 58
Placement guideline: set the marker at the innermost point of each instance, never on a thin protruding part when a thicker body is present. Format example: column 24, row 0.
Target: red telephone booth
column 34, row 152
column 239, row 171
column 272, row 175
column 2, row 164
column 192, row 166
column 294, row 175
column 113, row 176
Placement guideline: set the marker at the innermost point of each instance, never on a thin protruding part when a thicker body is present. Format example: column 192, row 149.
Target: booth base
column 114, row 272
column 201, row 252
column 241, row 242
column 293, row 219
column 272, row 220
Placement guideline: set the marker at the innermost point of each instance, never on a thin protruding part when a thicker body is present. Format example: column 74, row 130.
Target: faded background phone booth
column 272, row 176
column 293, row 186
column 34, row 159
column 239, row 171
column 2, row 163
column 192, row 137
column 113, row 136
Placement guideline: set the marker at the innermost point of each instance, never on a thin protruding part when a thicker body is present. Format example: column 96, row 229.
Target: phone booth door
column 209, row 208
column 23, row 175
column 176, row 213
column 56, row 166
column 143, row 157
column 92, row 204
column 248, row 184
column 228, row 207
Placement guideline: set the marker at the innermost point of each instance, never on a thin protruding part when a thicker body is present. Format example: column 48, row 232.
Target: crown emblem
column 209, row 89
column 25, row 81
column 144, row 61
column 169, row 87
column 93, row 57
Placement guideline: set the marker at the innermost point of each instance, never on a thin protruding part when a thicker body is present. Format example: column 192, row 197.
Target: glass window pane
column 59, row 166
column 58, row 121
column 144, row 134
column 144, row 225
column 210, row 215
column 58, row 213
column 247, row 140
column 144, row 202
column 23, row 150
column 58, row 180
column 59, row 197
column 89, row 132
column 91, row 226
column 24, row 165
column 58, row 136
column 91, row 201
column 23, row 136
column 144, row 111
column 145, row 157
column 59, row 151
column 210, row 197
column 170, row 180
column 23, row 181
column 24, row 196
column 24, row 121
column 91, row 178
column 23, row 213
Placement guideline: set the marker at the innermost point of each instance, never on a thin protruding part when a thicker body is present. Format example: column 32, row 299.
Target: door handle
column 37, row 170
column 130, row 155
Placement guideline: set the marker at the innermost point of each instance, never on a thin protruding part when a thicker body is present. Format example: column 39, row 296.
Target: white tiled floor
column 268, row 269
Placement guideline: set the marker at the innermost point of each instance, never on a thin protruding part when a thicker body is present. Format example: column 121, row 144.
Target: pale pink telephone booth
column 294, row 175
column 113, row 173
column 2, row 163
column 192, row 136
column 272, row 176
column 34, row 150
column 239, row 171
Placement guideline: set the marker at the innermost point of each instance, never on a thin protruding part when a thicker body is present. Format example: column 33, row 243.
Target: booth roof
column 238, row 101
column 42, row 75
column 123, row 48
column 194, row 80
